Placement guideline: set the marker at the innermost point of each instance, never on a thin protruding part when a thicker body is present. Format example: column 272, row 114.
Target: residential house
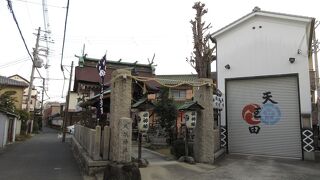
column 265, row 65
column 7, row 84
column 10, row 125
column 53, row 113
column 74, row 110
column 34, row 101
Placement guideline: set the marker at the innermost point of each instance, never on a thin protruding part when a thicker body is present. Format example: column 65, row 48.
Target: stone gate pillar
column 120, row 106
column 204, row 134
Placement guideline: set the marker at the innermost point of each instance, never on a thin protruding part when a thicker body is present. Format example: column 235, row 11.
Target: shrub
column 24, row 117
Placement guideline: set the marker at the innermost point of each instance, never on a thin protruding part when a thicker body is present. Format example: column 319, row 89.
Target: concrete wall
column 3, row 136
column 18, row 127
column 265, row 51
column 6, row 125
column 14, row 129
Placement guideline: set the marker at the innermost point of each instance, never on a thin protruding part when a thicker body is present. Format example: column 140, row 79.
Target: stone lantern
column 190, row 110
column 141, row 108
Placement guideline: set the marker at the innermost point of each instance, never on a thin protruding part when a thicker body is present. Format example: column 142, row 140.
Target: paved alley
column 230, row 167
column 43, row 157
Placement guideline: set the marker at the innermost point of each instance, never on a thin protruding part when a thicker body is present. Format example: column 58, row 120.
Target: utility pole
column 41, row 110
column 315, row 53
column 35, row 58
column 315, row 56
column 66, row 113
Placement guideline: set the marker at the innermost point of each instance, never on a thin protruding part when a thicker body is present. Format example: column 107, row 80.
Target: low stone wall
column 87, row 164
column 90, row 140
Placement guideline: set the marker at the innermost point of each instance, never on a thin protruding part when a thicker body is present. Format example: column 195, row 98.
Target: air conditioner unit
column 190, row 118
column 143, row 121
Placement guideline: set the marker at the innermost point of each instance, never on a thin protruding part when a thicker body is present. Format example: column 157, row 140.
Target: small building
column 180, row 94
column 7, row 84
column 8, row 128
column 87, row 80
column 53, row 111
column 34, row 101
column 87, row 85
column 265, row 66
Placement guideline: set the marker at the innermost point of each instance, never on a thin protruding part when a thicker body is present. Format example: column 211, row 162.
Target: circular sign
column 248, row 114
column 270, row 114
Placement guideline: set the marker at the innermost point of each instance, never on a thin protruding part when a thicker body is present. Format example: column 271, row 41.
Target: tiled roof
column 175, row 79
column 17, row 75
column 143, row 103
column 191, row 105
column 10, row 82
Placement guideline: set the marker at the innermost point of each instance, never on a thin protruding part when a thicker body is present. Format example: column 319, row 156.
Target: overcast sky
column 126, row 29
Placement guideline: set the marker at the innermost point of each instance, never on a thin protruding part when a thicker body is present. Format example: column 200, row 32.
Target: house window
column 179, row 94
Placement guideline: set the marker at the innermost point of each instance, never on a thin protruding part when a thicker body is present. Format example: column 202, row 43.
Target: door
column 263, row 116
column 10, row 130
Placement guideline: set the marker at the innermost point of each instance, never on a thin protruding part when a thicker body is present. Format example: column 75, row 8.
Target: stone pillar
column 106, row 142
column 204, row 133
column 120, row 107
column 124, row 141
column 97, row 142
column 91, row 141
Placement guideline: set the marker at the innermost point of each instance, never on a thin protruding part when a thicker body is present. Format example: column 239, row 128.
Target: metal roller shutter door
column 279, row 133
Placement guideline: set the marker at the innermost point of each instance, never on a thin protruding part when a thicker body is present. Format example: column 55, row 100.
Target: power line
column 20, row 32
column 40, row 4
column 46, row 34
column 64, row 36
column 63, row 42
column 14, row 62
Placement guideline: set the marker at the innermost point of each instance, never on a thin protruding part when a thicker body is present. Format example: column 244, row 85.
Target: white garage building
column 263, row 64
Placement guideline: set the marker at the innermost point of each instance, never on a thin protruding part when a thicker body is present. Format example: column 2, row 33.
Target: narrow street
column 43, row 156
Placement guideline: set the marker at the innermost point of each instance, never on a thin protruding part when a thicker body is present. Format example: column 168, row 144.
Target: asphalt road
column 43, row 157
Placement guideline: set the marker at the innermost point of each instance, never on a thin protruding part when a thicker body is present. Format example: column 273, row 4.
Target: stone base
column 142, row 163
column 309, row 156
column 117, row 171
column 187, row 159
column 87, row 165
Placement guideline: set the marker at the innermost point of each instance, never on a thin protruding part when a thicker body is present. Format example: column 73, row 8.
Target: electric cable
column 64, row 35
column 14, row 62
column 21, row 35
column 63, row 43
column 41, row 4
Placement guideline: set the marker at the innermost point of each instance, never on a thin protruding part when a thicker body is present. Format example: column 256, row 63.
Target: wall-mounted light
column 299, row 51
column 292, row 60
column 227, row 66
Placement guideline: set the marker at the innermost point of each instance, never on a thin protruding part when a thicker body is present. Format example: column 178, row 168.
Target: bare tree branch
column 203, row 54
